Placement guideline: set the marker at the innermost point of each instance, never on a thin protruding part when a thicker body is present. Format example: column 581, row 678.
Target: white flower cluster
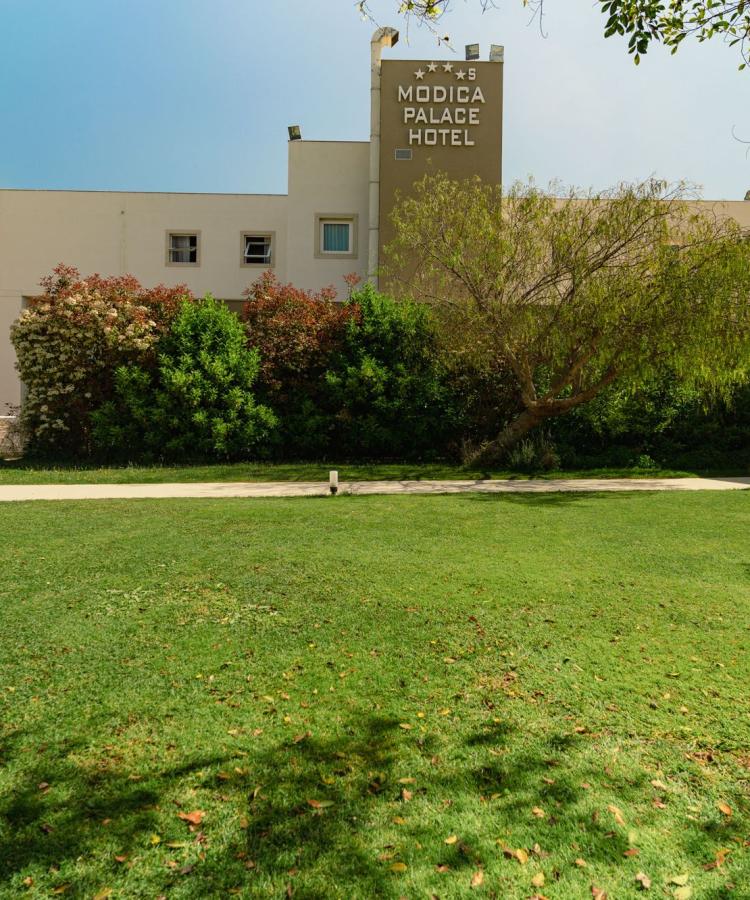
column 66, row 348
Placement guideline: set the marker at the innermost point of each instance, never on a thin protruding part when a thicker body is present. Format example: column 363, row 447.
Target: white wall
column 115, row 233
column 326, row 177
column 119, row 233
column 10, row 388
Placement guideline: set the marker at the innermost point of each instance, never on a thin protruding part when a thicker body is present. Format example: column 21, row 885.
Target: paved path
column 315, row 489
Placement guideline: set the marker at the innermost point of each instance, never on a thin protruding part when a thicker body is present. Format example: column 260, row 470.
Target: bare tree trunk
column 493, row 452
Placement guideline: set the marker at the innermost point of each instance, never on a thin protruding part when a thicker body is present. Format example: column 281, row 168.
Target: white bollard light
column 333, row 481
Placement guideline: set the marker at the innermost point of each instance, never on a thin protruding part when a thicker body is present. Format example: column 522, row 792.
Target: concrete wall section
column 118, row 233
column 330, row 179
column 10, row 387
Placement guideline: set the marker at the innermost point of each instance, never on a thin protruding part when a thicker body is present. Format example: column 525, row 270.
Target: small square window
column 336, row 235
column 182, row 249
column 257, row 249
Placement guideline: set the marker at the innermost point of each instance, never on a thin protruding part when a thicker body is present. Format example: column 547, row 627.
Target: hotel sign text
column 425, row 108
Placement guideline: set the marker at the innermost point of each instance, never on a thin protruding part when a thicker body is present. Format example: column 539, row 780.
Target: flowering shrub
column 197, row 403
column 69, row 342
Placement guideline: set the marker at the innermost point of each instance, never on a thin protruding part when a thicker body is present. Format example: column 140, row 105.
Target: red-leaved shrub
column 294, row 330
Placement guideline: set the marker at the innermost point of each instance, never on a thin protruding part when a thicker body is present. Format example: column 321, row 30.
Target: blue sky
column 195, row 95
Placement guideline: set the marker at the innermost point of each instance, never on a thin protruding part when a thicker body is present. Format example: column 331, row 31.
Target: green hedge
column 122, row 373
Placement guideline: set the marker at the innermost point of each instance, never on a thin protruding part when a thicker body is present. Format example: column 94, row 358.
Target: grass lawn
column 26, row 472
column 376, row 697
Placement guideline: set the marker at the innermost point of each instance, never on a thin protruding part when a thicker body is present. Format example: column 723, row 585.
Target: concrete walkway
column 318, row 489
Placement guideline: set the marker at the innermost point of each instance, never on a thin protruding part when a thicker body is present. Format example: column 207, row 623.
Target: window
column 402, row 154
column 182, row 248
column 336, row 236
column 257, row 248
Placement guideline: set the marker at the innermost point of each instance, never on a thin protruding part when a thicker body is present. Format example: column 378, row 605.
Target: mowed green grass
column 31, row 472
column 376, row 697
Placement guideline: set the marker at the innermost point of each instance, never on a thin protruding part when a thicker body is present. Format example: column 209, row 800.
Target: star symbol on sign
column 460, row 74
column 419, row 74
column 432, row 67
column 448, row 67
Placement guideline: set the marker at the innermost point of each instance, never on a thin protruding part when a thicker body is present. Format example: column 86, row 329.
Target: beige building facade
column 426, row 115
column 217, row 243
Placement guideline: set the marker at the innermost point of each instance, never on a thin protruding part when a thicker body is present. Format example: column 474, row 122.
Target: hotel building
column 334, row 219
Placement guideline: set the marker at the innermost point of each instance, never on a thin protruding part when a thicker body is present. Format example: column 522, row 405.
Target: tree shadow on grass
column 548, row 499
column 327, row 815
column 359, row 826
column 61, row 812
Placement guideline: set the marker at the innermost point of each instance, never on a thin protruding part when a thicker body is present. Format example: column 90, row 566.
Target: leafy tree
column 641, row 21
column 646, row 21
column 578, row 293
column 198, row 403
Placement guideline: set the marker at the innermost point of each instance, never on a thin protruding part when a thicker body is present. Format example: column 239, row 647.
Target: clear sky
column 195, row 95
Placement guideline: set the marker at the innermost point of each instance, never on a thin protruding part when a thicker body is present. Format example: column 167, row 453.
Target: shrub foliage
column 198, row 401
column 128, row 373
column 69, row 343
column 358, row 379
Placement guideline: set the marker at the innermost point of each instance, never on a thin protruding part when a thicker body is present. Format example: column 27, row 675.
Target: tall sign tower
column 436, row 116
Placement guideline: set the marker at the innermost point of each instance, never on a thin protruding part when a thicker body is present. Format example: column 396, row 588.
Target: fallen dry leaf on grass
column 617, row 813
column 643, row 880
column 192, row 818
column 721, row 856
column 724, row 808
column 451, row 840
column 399, row 867
column 538, row 879
column 477, row 879
column 632, row 851
column 519, row 854
column 320, row 804
column 581, row 863
column 538, row 812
